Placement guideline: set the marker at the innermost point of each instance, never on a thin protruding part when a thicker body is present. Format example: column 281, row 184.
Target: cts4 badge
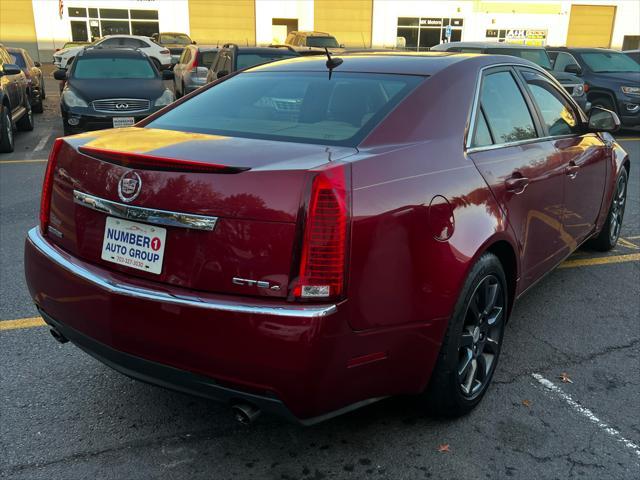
column 255, row 283
column 129, row 186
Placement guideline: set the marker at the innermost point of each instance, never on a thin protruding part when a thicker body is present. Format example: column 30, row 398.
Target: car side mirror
column 603, row 120
column 11, row 69
column 573, row 68
column 193, row 42
column 168, row 75
column 37, row 64
column 342, row 45
column 60, row 74
column 222, row 73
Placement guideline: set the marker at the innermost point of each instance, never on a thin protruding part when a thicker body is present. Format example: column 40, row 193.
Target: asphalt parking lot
column 564, row 402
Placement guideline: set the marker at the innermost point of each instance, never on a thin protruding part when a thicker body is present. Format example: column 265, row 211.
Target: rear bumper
column 302, row 362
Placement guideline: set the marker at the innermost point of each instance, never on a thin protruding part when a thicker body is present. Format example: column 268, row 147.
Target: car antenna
column 331, row 62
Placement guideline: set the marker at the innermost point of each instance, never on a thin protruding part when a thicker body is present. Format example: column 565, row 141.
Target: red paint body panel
column 403, row 275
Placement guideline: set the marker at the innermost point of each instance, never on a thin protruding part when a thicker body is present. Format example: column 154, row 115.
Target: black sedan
column 34, row 76
column 111, row 88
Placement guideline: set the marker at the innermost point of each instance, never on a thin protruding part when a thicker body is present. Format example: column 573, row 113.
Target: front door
column 79, row 31
column 524, row 171
column 583, row 155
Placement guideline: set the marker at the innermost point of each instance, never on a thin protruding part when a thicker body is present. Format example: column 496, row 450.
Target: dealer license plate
column 121, row 122
column 134, row 244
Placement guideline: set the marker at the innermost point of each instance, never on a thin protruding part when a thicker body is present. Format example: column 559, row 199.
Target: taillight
column 47, row 186
column 323, row 254
column 195, row 62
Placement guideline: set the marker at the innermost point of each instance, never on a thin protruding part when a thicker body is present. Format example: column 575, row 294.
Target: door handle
column 572, row 170
column 516, row 184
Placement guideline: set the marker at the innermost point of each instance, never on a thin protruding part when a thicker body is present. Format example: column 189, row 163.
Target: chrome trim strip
column 148, row 215
column 66, row 261
column 520, row 142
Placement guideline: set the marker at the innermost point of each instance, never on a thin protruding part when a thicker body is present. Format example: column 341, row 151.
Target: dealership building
column 45, row 25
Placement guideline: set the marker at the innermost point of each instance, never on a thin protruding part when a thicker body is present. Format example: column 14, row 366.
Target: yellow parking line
column 9, row 162
column 22, row 323
column 626, row 243
column 628, row 139
column 586, row 262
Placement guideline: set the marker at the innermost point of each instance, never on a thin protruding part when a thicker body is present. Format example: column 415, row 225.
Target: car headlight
column 72, row 100
column 165, row 99
column 632, row 91
column 578, row 91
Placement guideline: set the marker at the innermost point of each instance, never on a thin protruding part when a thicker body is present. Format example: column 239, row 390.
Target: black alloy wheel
column 481, row 337
column 6, row 131
column 608, row 237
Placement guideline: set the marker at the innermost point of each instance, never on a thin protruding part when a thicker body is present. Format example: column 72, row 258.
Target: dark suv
column 612, row 77
column 537, row 55
column 310, row 42
column 111, row 87
column 15, row 101
column 231, row 57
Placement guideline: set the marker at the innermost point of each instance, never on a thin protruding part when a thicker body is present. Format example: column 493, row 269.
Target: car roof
column 15, row 50
column 112, row 52
column 486, row 45
column 140, row 37
column 311, row 33
column 205, row 48
column 284, row 51
column 583, row 49
column 404, row 63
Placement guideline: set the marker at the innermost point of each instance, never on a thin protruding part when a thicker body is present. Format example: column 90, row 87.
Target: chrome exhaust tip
column 245, row 413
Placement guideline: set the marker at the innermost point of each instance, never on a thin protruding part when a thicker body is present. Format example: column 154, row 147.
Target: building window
column 111, row 21
column 416, row 33
column 77, row 12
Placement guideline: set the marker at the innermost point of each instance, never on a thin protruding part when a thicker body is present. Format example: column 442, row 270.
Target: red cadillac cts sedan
column 306, row 237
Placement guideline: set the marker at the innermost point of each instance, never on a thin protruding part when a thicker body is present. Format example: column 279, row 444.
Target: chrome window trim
column 66, row 262
column 475, row 107
column 148, row 215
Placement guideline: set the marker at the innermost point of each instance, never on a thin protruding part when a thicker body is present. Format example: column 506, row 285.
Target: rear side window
column 19, row 60
column 482, row 136
column 506, row 111
column 292, row 106
column 557, row 113
column 563, row 60
column 207, row 58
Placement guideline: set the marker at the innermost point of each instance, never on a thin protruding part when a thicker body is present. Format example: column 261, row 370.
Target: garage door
column 348, row 20
column 222, row 21
column 591, row 26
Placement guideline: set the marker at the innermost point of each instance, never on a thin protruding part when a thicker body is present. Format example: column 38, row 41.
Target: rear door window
column 557, row 113
column 507, row 113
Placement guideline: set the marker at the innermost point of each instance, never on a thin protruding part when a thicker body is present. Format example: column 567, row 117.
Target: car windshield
column 609, row 62
column 251, row 59
column 537, row 56
column 18, row 59
column 293, row 106
column 175, row 38
column 322, row 42
column 112, row 68
column 74, row 44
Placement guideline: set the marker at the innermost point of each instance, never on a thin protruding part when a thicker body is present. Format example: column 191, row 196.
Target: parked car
column 309, row 43
column 175, row 42
column 613, row 78
column 281, row 240
column 160, row 56
column 231, row 58
column 191, row 70
column 111, row 88
column 634, row 54
column 538, row 55
column 15, row 101
column 32, row 72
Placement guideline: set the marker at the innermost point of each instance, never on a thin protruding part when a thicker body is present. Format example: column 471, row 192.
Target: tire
column 6, row 131
column 38, row 107
column 608, row 237
column 26, row 123
column 471, row 346
column 67, row 130
column 43, row 94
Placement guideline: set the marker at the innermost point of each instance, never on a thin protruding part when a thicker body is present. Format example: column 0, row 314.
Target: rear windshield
column 175, row 38
column 207, row 58
column 251, row 59
column 322, row 42
column 112, row 68
column 610, row 62
column 292, row 106
column 539, row 57
column 18, row 59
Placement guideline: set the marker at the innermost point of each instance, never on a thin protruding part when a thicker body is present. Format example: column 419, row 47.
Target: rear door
column 584, row 155
column 522, row 168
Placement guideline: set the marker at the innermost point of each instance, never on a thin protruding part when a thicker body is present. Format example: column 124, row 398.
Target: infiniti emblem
column 129, row 186
column 122, row 106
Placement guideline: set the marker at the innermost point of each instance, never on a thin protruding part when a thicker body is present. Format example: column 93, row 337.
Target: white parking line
column 43, row 141
column 585, row 412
